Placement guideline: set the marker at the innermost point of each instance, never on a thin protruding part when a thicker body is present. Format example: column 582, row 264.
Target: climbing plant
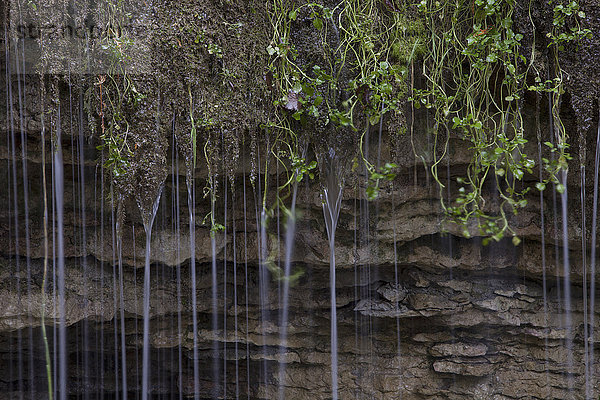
column 476, row 73
column 115, row 91
column 357, row 76
column 348, row 67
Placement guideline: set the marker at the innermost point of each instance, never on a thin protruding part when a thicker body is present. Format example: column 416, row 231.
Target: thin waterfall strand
column 148, row 222
column 332, row 203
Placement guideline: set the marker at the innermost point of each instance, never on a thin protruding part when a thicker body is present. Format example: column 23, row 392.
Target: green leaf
column 308, row 89
column 318, row 23
column 492, row 57
column 372, row 193
column 389, row 166
column 456, row 122
column 516, row 241
column 297, row 87
column 518, row 173
column 293, row 15
column 344, row 120
column 540, row 186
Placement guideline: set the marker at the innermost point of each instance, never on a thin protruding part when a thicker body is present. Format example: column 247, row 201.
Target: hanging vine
column 115, row 92
column 476, row 76
column 358, row 76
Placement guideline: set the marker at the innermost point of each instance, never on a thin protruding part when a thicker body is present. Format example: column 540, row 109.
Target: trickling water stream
column 593, row 250
column 402, row 309
column 304, row 290
column 58, row 185
column 332, row 202
column 192, row 223
column 290, row 230
column 148, row 219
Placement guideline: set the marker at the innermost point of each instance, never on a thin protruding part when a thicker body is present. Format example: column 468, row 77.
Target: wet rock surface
column 421, row 314
column 449, row 318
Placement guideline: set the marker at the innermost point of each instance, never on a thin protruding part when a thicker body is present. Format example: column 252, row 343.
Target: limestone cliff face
column 436, row 316
column 422, row 312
